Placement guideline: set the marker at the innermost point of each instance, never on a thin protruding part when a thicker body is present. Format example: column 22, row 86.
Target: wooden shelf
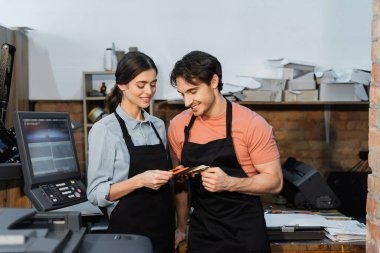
column 101, row 72
column 304, row 103
column 95, row 98
column 92, row 81
column 180, row 102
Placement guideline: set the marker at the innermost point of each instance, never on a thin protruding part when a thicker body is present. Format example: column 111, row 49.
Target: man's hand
column 179, row 237
column 214, row 179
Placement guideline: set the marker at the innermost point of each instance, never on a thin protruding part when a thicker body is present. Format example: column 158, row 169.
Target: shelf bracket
column 327, row 117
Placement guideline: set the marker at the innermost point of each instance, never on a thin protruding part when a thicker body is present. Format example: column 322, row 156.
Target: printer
column 305, row 188
column 25, row 230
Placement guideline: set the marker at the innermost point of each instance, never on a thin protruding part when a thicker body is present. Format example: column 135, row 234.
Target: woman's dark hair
column 130, row 66
column 197, row 67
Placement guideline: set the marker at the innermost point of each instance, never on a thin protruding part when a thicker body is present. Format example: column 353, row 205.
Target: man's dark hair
column 197, row 67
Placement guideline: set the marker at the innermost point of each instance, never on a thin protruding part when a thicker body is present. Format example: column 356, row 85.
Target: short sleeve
column 262, row 146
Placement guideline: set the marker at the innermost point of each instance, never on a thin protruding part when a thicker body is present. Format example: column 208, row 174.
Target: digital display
column 50, row 146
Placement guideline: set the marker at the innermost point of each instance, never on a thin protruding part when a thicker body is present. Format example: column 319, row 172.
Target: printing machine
column 25, row 230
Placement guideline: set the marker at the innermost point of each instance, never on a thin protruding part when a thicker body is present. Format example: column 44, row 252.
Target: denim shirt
column 108, row 154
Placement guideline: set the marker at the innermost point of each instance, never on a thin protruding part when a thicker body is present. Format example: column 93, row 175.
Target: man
column 240, row 149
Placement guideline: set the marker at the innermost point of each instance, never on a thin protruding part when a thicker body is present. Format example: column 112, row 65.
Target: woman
column 128, row 161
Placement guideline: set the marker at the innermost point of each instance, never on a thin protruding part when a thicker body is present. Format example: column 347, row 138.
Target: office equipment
column 295, row 233
column 25, row 230
column 43, row 232
column 8, row 146
column 100, row 243
column 305, row 187
column 295, row 226
column 48, row 157
column 6, row 67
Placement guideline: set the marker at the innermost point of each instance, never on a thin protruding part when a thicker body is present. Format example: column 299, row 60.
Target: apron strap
column 228, row 122
column 163, row 146
column 126, row 136
column 228, row 119
column 155, row 130
column 187, row 128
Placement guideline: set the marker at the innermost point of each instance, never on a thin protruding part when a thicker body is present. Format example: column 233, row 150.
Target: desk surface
column 324, row 245
column 317, row 246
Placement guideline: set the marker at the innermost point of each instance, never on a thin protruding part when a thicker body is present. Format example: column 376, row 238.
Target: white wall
column 71, row 35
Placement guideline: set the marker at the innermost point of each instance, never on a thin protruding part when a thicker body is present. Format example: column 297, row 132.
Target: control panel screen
column 50, row 146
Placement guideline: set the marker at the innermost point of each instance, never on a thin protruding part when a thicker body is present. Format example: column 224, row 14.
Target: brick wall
column 300, row 132
column 373, row 197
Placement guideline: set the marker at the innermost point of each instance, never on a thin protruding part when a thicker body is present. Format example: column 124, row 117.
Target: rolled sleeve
column 100, row 168
column 100, row 195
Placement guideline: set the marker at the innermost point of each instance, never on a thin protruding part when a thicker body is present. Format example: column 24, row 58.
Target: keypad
column 63, row 192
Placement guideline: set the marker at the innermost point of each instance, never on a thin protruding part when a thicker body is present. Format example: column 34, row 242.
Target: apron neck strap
column 126, row 136
column 228, row 122
column 228, row 119
column 155, row 130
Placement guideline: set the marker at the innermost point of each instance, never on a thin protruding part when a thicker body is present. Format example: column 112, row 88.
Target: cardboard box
column 289, row 73
column 285, row 73
column 328, row 76
column 304, row 95
column 262, row 95
column 361, row 76
column 305, row 82
column 345, row 76
column 340, row 92
column 271, row 84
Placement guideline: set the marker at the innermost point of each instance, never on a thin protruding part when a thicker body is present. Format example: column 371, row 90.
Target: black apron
column 146, row 211
column 223, row 221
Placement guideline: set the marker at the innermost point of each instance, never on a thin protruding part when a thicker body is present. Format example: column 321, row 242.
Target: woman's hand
column 154, row 179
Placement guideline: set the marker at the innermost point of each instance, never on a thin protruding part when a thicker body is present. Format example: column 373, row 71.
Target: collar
column 131, row 122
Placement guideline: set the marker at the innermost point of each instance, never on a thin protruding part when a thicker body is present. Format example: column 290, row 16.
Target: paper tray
column 295, row 233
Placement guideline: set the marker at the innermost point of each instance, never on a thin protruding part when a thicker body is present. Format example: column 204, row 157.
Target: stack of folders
column 346, row 231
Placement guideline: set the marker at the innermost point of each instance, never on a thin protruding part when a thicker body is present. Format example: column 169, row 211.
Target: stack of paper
column 346, row 231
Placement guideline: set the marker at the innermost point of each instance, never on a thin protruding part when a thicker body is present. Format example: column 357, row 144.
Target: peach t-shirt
column 252, row 136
